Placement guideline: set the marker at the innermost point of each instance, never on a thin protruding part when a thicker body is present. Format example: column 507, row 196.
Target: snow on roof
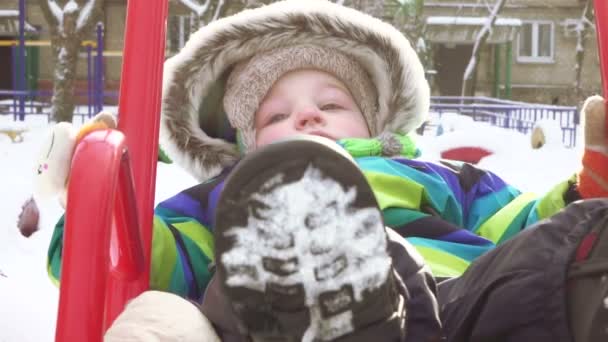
column 9, row 23
column 9, row 13
column 477, row 21
column 70, row 7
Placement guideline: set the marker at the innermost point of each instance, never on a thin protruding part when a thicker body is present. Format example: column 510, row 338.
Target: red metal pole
column 139, row 117
column 91, row 197
column 108, row 227
column 101, row 206
column 601, row 24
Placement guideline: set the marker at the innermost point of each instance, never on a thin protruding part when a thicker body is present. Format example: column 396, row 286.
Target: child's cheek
column 273, row 133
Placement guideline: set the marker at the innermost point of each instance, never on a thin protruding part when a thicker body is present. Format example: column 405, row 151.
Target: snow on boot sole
column 301, row 249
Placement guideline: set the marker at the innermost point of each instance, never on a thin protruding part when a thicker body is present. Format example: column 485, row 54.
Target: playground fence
column 38, row 102
column 520, row 116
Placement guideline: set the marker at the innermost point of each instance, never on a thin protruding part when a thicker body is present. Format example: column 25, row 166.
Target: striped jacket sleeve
column 182, row 246
column 453, row 213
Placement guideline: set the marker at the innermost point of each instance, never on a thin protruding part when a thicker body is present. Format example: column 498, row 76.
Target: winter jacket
column 452, row 213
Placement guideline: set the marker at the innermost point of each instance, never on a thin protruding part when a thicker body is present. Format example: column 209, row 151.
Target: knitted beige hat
column 250, row 81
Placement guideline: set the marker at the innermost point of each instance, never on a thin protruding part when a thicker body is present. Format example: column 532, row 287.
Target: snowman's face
column 53, row 164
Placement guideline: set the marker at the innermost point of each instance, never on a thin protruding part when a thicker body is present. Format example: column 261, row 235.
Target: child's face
column 308, row 102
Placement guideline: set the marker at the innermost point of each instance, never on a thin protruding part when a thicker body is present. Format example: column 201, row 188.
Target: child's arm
column 440, row 207
column 455, row 212
column 182, row 250
column 433, row 206
column 182, row 246
column 590, row 182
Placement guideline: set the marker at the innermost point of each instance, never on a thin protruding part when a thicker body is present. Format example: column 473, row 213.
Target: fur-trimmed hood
column 192, row 118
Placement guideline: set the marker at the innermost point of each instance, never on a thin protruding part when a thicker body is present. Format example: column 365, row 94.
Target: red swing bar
column 108, row 225
column 601, row 25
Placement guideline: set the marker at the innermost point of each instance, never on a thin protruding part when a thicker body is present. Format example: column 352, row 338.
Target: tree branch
column 84, row 14
column 481, row 38
column 199, row 9
column 581, row 35
column 218, row 10
column 89, row 15
column 51, row 11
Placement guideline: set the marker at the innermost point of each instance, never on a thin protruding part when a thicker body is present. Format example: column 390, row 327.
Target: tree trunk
column 581, row 35
column 66, row 60
column 468, row 87
column 408, row 18
column 69, row 24
column 208, row 10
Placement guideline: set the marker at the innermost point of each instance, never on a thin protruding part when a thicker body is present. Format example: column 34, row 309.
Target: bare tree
column 372, row 7
column 407, row 17
column 585, row 21
column 70, row 23
column 480, row 40
column 205, row 11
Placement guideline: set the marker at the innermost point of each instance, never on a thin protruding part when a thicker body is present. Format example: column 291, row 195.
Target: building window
column 180, row 27
column 536, row 42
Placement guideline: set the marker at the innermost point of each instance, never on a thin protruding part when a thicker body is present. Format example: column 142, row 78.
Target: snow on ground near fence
column 513, row 158
column 28, row 300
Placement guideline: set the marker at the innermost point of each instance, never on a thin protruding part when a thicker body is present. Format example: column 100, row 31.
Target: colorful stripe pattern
column 452, row 214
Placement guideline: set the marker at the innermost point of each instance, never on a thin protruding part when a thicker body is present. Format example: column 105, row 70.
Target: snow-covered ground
column 513, row 159
column 28, row 300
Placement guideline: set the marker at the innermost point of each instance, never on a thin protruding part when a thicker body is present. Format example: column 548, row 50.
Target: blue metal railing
column 520, row 116
column 38, row 102
column 23, row 98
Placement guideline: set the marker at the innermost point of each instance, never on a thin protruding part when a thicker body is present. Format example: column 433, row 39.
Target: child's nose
column 309, row 117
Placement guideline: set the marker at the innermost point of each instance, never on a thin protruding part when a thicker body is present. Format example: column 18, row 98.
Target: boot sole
column 298, row 274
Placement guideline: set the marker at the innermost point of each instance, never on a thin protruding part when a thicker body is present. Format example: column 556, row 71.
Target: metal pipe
column 90, row 89
column 139, row 118
column 88, row 222
column 99, row 69
column 21, row 85
column 601, row 23
column 15, row 82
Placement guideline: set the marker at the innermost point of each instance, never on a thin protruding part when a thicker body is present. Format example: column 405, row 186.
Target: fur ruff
column 190, row 76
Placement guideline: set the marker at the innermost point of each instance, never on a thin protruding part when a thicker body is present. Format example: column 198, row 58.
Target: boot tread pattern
column 305, row 247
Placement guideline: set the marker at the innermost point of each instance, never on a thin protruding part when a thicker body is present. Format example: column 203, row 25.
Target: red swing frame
column 108, row 226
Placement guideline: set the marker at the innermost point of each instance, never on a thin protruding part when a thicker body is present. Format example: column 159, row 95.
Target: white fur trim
column 403, row 93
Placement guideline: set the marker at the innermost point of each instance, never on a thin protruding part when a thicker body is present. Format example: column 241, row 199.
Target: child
column 295, row 229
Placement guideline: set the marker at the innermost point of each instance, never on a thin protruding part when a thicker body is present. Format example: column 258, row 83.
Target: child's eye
column 331, row 106
column 274, row 118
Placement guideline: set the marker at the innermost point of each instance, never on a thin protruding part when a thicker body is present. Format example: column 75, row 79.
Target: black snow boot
column 301, row 248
